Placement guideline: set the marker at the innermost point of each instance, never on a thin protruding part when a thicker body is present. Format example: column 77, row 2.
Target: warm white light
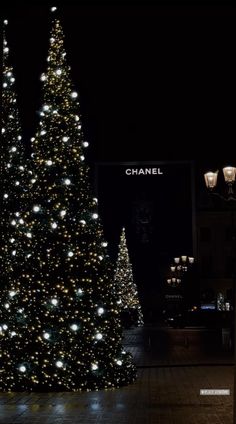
column 74, row 327
column 65, row 139
column 17, row 183
column 229, row 174
column 54, row 225
column 7, row 306
column 98, row 336
column 184, row 258
column 21, row 221
column 42, row 132
column 74, row 94
column 119, row 362
column 70, row 254
column 43, row 77
column 36, row 208
column 22, row 368
column 95, row 199
column 33, row 180
column 59, row 364
column 12, row 240
column 46, row 336
column 172, row 268
column 13, row 333
column 63, row 213
column 49, row 162
column 67, row 181
column 211, row 179
column 177, row 260
column 54, row 302
column 100, row 257
column 104, row 244
column 79, row 127
column 94, row 215
column 100, row 311
column 82, row 221
column 76, row 117
column 46, row 107
column 29, row 235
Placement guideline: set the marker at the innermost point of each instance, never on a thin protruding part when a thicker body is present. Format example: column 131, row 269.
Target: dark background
column 155, row 78
column 156, row 82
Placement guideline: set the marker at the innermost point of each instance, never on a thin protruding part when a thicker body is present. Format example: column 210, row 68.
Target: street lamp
column 229, row 173
column 182, row 263
column 173, row 281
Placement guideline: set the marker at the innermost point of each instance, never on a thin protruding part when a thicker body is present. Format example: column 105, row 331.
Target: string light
column 67, row 181
column 94, row 367
column 98, row 336
column 36, row 208
column 46, row 336
column 61, row 295
column 74, row 327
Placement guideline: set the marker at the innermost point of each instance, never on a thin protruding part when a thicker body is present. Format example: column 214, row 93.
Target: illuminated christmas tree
column 13, row 173
column 60, row 329
column 126, row 288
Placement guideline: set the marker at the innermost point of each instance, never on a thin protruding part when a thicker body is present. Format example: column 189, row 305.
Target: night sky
column 156, row 82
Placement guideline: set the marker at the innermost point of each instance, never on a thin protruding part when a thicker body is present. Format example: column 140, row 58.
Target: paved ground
column 163, row 394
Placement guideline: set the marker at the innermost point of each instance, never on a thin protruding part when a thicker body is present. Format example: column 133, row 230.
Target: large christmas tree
column 125, row 286
column 61, row 328
column 14, row 172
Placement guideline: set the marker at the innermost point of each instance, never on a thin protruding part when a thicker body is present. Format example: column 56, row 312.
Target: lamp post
column 229, row 196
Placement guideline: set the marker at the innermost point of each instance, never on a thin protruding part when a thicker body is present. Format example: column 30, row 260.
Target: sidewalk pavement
column 161, row 395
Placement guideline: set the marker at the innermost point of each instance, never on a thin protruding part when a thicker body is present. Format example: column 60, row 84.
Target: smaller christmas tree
column 126, row 288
